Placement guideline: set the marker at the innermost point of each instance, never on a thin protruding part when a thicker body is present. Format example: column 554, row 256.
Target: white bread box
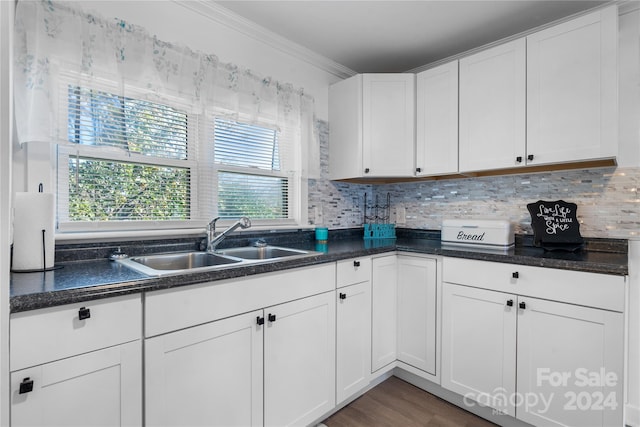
column 478, row 233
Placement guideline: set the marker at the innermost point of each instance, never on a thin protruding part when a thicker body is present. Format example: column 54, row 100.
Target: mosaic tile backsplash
column 607, row 198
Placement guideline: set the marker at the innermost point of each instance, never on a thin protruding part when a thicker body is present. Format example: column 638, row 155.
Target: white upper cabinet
column 572, row 90
column 492, row 108
column 437, row 121
column 372, row 125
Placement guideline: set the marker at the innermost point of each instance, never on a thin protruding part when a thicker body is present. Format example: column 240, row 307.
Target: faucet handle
column 244, row 222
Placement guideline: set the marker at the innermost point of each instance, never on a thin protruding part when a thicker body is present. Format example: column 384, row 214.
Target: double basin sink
column 184, row 262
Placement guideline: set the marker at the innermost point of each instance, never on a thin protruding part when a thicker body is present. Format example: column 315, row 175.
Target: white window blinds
column 250, row 179
column 128, row 160
column 137, row 126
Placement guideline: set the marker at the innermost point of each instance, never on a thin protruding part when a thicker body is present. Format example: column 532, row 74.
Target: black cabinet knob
column 260, row 320
column 84, row 313
column 356, row 263
column 272, row 317
column 26, row 386
column 510, row 303
column 530, row 157
column 366, row 170
column 343, row 296
column 519, row 159
column 418, row 170
column 522, row 305
column 515, row 275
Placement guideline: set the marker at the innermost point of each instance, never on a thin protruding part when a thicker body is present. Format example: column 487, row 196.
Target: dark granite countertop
column 78, row 281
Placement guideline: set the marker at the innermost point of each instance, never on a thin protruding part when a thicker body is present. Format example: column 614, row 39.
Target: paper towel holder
column 44, row 260
column 44, row 251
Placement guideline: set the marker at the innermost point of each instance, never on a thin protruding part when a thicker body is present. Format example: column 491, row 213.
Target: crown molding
column 623, row 6
column 223, row 16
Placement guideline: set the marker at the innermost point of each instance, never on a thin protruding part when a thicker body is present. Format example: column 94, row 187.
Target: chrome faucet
column 213, row 240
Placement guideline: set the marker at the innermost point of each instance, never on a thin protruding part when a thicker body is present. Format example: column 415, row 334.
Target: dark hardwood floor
column 396, row 403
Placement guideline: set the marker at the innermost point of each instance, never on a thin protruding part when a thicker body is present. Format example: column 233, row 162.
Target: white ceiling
column 396, row 36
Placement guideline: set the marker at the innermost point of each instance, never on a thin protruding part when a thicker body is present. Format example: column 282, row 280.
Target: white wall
column 6, row 28
column 629, row 85
column 633, row 335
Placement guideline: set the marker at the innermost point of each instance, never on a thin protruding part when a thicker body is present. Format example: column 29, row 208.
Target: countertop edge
column 34, row 301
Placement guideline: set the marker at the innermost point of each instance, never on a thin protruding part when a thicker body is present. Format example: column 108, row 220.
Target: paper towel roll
column 33, row 212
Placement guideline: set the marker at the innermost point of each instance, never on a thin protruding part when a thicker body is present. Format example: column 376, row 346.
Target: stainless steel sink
column 183, row 261
column 174, row 263
column 263, row 253
column 186, row 262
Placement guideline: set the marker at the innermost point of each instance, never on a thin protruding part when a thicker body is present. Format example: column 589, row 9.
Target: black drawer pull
column 522, row 305
column 519, row 159
column 260, row 320
column 515, row 275
column 343, row 296
column 356, row 263
column 366, row 170
column 418, row 170
column 84, row 313
column 510, row 303
column 26, row 386
column 272, row 317
column 530, row 157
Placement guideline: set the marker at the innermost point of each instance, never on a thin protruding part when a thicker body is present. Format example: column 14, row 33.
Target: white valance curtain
column 59, row 42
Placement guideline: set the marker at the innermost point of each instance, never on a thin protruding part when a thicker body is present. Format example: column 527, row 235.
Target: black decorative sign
column 555, row 225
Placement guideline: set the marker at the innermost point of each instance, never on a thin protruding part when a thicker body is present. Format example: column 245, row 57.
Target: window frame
column 200, row 162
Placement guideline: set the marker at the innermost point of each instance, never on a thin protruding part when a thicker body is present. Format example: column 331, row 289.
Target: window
column 128, row 160
column 136, row 164
column 249, row 177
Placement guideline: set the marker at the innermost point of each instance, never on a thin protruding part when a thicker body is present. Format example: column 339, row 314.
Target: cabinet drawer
column 172, row 309
column 576, row 287
column 352, row 271
column 50, row 334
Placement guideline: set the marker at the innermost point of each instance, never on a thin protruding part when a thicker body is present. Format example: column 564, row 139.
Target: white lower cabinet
column 273, row 367
column 548, row 363
column 77, row 364
column 417, row 312
column 572, row 356
column 207, row 375
column 101, row 388
column 384, row 307
column 299, row 360
column 479, row 345
column 353, row 339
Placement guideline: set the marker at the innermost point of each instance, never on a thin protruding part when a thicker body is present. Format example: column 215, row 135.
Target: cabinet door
column 345, row 118
column 570, row 364
column 101, row 388
column 208, row 375
column 572, row 90
column 388, row 107
column 437, row 121
column 353, row 339
column 479, row 345
column 417, row 316
column 492, row 108
column 299, row 360
column 384, row 312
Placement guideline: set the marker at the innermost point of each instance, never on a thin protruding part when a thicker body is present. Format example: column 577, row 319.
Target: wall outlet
column 401, row 214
